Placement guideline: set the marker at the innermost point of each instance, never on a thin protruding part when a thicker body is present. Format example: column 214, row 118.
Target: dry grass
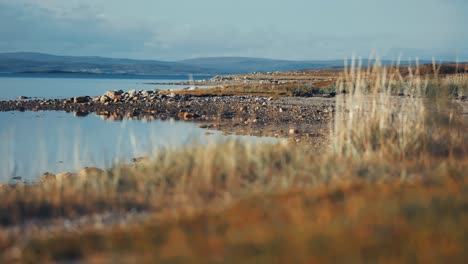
column 421, row 222
column 297, row 88
column 383, row 113
column 392, row 188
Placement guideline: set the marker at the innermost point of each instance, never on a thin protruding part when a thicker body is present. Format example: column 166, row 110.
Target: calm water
column 36, row 142
column 32, row 143
column 69, row 85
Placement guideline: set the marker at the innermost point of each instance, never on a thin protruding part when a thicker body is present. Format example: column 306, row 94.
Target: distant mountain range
column 31, row 62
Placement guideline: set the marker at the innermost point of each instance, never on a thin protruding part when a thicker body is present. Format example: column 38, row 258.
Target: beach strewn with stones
column 303, row 119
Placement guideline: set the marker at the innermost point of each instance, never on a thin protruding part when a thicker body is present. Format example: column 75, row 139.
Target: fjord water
column 33, row 143
column 69, row 85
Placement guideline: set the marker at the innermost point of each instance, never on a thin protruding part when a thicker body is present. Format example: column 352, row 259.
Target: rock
column 293, row 131
column 116, row 94
column 132, row 92
column 104, row 99
column 81, row 99
column 22, row 97
column 188, row 116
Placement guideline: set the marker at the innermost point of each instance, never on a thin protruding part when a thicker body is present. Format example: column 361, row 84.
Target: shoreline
column 304, row 119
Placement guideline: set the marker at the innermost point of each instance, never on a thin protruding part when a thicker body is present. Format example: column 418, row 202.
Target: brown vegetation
column 296, row 88
column 392, row 188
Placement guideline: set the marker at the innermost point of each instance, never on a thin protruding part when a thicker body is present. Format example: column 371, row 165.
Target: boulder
column 104, row 99
column 132, row 93
column 293, row 131
column 114, row 94
column 81, row 99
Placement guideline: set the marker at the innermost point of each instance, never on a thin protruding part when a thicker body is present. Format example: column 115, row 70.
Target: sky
column 183, row 29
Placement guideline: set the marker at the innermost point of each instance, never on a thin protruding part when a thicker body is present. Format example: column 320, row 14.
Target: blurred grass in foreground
column 392, row 188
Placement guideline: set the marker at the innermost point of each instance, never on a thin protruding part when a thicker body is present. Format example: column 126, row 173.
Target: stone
column 293, row 131
column 22, row 97
column 132, row 92
column 81, row 99
column 188, row 115
column 114, row 94
column 104, row 99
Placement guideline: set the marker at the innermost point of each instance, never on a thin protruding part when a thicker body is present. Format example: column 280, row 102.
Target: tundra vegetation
column 391, row 187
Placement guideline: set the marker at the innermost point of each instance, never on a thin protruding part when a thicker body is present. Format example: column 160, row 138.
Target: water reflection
column 36, row 142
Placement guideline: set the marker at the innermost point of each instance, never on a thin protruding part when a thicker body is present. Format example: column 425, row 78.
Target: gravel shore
column 302, row 119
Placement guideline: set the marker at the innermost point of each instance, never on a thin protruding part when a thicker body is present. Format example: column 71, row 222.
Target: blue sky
column 293, row 29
